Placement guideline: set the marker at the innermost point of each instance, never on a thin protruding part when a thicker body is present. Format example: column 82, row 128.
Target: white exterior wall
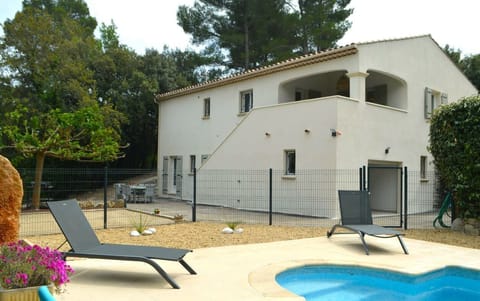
column 420, row 63
column 257, row 145
column 239, row 142
column 182, row 131
column 249, row 146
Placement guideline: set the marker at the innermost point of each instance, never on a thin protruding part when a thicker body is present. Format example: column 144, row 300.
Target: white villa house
column 365, row 104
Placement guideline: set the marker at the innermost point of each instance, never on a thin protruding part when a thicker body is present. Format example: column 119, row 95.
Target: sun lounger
column 84, row 242
column 356, row 216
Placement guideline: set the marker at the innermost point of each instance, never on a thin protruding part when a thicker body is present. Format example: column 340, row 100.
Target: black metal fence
column 309, row 198
column 248, row 196
column 86, row 183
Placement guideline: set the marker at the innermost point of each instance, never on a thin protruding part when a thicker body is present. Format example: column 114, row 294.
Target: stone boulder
column 469, row 226
column 471, row 230
column 458, row 225
column 11, row 195
column 472, row 226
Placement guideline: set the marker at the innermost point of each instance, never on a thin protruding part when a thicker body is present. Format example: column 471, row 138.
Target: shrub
column 455, row 146
column 233, row 225
column 140, row 224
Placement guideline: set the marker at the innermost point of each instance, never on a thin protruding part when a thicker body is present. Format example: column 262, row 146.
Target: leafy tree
column 455, row 145
column 48, row 87
column 256, row 33
column 129, row 81
column 470, row 65
column 61, row 10
column 322, row 23
column 454, row 54
column 184, row 68
column 90, row 133
column 161, row 67
column 109, row 36
column 47, row 60
column 122, row 83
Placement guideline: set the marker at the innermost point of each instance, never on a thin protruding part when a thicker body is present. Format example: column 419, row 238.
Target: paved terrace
column 247, row 272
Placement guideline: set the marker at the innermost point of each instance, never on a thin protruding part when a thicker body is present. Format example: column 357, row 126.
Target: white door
column 384, row 185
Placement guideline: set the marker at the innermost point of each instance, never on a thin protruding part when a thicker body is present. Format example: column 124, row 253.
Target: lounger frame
column 356, row 216
column 84, row 242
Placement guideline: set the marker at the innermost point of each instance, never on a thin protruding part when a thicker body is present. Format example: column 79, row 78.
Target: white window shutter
column 428, row 103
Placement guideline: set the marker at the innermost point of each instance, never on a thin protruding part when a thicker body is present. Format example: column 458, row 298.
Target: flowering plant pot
column 22, row 294
column 23, row 266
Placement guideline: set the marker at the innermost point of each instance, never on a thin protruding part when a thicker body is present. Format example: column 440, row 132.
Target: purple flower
column 22, row 265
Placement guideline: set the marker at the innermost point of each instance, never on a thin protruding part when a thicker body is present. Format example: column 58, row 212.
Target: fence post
column 364, row 174
column 360, row 178
column 105, row 205
column 405, row 197
column 363, row 178
column 270, row 198
column 194, row 203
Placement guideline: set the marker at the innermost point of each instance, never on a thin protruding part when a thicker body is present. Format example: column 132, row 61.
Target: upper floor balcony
column 374, row 87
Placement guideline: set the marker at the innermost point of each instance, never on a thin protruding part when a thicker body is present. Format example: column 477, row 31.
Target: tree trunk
column 247, row 40
column 304, row 31
column 40, row 159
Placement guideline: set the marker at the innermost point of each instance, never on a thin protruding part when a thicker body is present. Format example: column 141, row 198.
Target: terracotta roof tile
column 307, row 59
column 303, row 60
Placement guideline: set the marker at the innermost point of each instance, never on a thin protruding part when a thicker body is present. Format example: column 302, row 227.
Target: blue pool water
column 348, row 283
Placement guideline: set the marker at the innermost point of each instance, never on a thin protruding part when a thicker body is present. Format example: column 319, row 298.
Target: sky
column 145, row 24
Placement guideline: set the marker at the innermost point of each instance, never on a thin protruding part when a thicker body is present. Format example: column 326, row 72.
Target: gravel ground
column 189, row 235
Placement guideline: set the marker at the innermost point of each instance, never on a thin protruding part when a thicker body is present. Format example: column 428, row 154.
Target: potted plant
column 23, row 268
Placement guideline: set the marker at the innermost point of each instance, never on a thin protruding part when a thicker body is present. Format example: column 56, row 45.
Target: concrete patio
column 247, row 272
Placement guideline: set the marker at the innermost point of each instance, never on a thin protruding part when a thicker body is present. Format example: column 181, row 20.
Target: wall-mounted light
column 335, row 132
column 267, row 134
column 307, row 131
column 387, row 150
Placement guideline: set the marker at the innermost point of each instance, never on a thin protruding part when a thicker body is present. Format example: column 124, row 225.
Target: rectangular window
column 423, row 167
column 206, row 107
column 290, row 162
column 246, row 101
column 192, row 163
column 433, row 99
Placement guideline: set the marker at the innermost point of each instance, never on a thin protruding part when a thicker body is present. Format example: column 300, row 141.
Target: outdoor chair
column 356, row 216
column 118, row 191
column 149, row 192
column 126, row 193
column 137, row 193
column 84, row 242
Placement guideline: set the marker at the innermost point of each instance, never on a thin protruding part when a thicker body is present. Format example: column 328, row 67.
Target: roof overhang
column 296, row 62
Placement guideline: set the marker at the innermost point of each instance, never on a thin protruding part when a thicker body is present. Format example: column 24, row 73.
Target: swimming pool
column 340, row 282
